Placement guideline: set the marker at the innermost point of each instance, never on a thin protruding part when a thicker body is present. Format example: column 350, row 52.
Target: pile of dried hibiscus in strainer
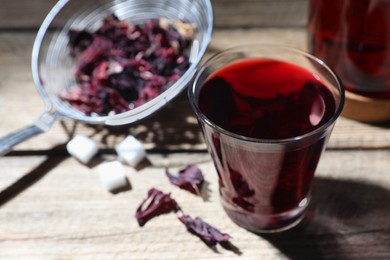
column 123, row 65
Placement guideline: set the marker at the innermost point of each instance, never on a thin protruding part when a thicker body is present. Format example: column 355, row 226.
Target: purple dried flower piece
column 79, row 41
column 92, row 56
column 112, row 28
column 209, row 234
column 243, row 203
column 151, row 90
column 242, row 188
column 240, row 184
column 190, row 179
column 156, row 203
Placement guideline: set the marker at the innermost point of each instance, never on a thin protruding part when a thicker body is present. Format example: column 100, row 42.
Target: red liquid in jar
column 353, row 37
column 265, row 99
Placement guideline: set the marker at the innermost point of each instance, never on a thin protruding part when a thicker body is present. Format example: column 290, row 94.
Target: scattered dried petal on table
column 210, row 235
column 155, row 204
column 190, row 179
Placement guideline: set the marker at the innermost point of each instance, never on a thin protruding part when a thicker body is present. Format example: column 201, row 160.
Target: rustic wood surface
column 25, row 14
column 53, row 207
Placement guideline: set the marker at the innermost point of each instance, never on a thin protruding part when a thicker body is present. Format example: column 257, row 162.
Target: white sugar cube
column 82, row 147
column 131, row 151
column 112, row 175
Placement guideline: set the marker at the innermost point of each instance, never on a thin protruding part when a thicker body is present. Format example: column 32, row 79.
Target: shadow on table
column 346, row 219
column 33, row 176
column 174, row 127
column 384, row 125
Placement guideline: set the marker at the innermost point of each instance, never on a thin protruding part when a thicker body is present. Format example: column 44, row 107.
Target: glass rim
column 204, row 118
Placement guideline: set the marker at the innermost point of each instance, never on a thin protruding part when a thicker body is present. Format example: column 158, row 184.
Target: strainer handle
column 43, row 124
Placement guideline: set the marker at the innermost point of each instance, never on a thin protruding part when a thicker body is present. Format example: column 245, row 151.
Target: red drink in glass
column 266, row 99
column 266, row 122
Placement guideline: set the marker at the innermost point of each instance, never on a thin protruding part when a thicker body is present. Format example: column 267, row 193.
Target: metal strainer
column 53, row 68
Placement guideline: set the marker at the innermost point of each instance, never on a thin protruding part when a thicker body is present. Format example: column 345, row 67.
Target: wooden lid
column 366, row 109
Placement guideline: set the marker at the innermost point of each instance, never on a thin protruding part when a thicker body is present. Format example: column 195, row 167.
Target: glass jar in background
column 353, row 37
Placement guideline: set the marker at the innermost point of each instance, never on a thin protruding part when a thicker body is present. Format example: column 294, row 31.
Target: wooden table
column 53, row 207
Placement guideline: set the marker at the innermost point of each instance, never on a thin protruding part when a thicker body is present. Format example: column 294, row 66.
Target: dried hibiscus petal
column 209, row 234
column 241, row 186
column 156, row 203
column 79, row 41
column 190, row 179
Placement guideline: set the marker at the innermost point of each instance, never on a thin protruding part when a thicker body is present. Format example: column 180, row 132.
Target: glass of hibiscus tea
column 266, row 114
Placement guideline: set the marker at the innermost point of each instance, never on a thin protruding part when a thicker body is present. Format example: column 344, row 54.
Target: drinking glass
column 265, row 183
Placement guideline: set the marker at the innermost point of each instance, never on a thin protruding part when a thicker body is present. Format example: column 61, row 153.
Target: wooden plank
column 170, row 128
column 24, row 14
column 262, row 13
column 27, row 14
column 57, row 209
